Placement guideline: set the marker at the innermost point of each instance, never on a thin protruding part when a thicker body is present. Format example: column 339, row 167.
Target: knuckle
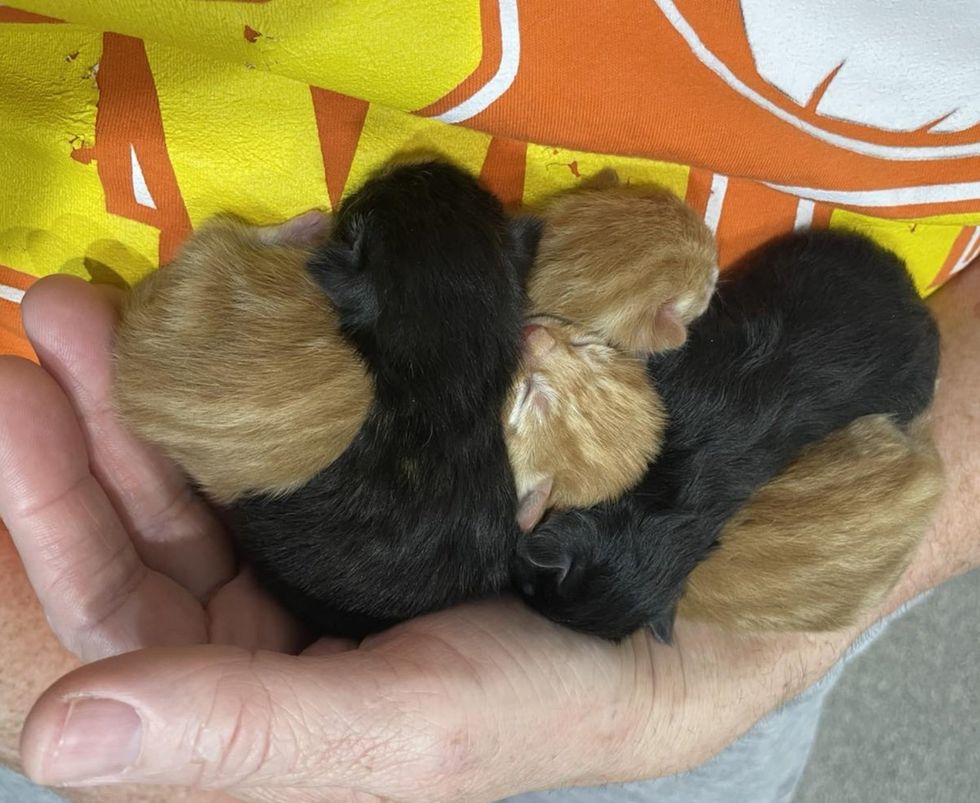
column 234, row 743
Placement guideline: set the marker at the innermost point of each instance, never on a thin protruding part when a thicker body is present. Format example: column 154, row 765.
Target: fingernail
column 100, row 738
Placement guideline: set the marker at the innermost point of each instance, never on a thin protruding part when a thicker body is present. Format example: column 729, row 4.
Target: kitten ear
column 545, row 551
column 603, row 180
column 668, row 330
column 662, row 626
column 532, row 506
column 336, row 270
column 304, row 229
column 525, row 232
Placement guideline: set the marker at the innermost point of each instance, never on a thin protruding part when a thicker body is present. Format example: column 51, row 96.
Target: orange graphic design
column 12, row 337
column 339, row 120
column 595, row 80
column 765, row 116
column 740, row 226
column 745, row 214
column 964, row 252
column 130, row 149
column 699, row 190
column 503, row 170
column 8, row 14
column 821, row 216
column 489, row 62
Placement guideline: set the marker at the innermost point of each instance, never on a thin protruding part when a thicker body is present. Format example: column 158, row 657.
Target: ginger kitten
column 828, row 538
column 230, row 359
column 632, row 263
column 583, row 421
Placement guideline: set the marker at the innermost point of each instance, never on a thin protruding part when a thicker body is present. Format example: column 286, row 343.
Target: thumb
column 261, row 725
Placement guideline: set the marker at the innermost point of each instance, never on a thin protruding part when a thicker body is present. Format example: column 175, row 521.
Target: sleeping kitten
column 419, row 511
column 827, row 539
column 584, row 421
column 815, row 330
column 230, row 359
column 632, row 263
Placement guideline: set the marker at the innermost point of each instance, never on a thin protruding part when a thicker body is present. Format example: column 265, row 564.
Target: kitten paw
column 585, row 569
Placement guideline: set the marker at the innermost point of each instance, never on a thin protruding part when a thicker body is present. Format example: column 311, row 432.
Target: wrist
column 712, row 686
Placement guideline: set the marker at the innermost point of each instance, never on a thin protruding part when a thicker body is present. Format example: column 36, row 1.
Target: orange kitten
column 220, row 354
column 632, row 263
column 827, row 539
column 583, row 422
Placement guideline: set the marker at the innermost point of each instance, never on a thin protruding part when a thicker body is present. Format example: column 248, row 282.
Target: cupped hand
column 199, row 684
column 120, row 551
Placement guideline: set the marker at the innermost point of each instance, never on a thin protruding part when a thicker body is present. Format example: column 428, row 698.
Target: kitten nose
column 537, row 340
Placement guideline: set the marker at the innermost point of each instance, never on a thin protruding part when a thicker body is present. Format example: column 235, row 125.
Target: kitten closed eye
column 631, row 263
column 584, row 417
column 776, row 364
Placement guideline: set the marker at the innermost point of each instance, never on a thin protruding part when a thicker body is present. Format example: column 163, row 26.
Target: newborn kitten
column 230, row 359
column 584, row 421
column 815, row 330
column 634, row 264
column 827, row 539
column 419, row 511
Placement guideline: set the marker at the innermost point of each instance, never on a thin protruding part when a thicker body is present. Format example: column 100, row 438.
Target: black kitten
column 814, row 331
column 419, row 512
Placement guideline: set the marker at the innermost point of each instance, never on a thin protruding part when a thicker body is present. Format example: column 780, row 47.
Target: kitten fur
column 632, row 263
column 583, row 421
column 419, row 512
column 814, row 331
column 230, row 359
column 226, row 407
column 825, row 541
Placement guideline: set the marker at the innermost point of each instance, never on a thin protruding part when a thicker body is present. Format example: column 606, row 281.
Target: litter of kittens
column 422, row 401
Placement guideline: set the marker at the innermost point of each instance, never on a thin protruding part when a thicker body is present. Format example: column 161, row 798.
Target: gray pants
column 764, row 766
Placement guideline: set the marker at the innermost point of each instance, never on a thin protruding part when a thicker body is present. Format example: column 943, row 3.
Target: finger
column 70, row 324
column 253, row 724
column 242, row 614
column 98, row 595
column 328, row 646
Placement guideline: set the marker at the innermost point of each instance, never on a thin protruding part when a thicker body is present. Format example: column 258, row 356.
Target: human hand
column 473, row 703
column 120, row 551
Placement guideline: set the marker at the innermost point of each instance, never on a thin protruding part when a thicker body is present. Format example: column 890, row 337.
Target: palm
column 123, row 555
column 130, row 556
